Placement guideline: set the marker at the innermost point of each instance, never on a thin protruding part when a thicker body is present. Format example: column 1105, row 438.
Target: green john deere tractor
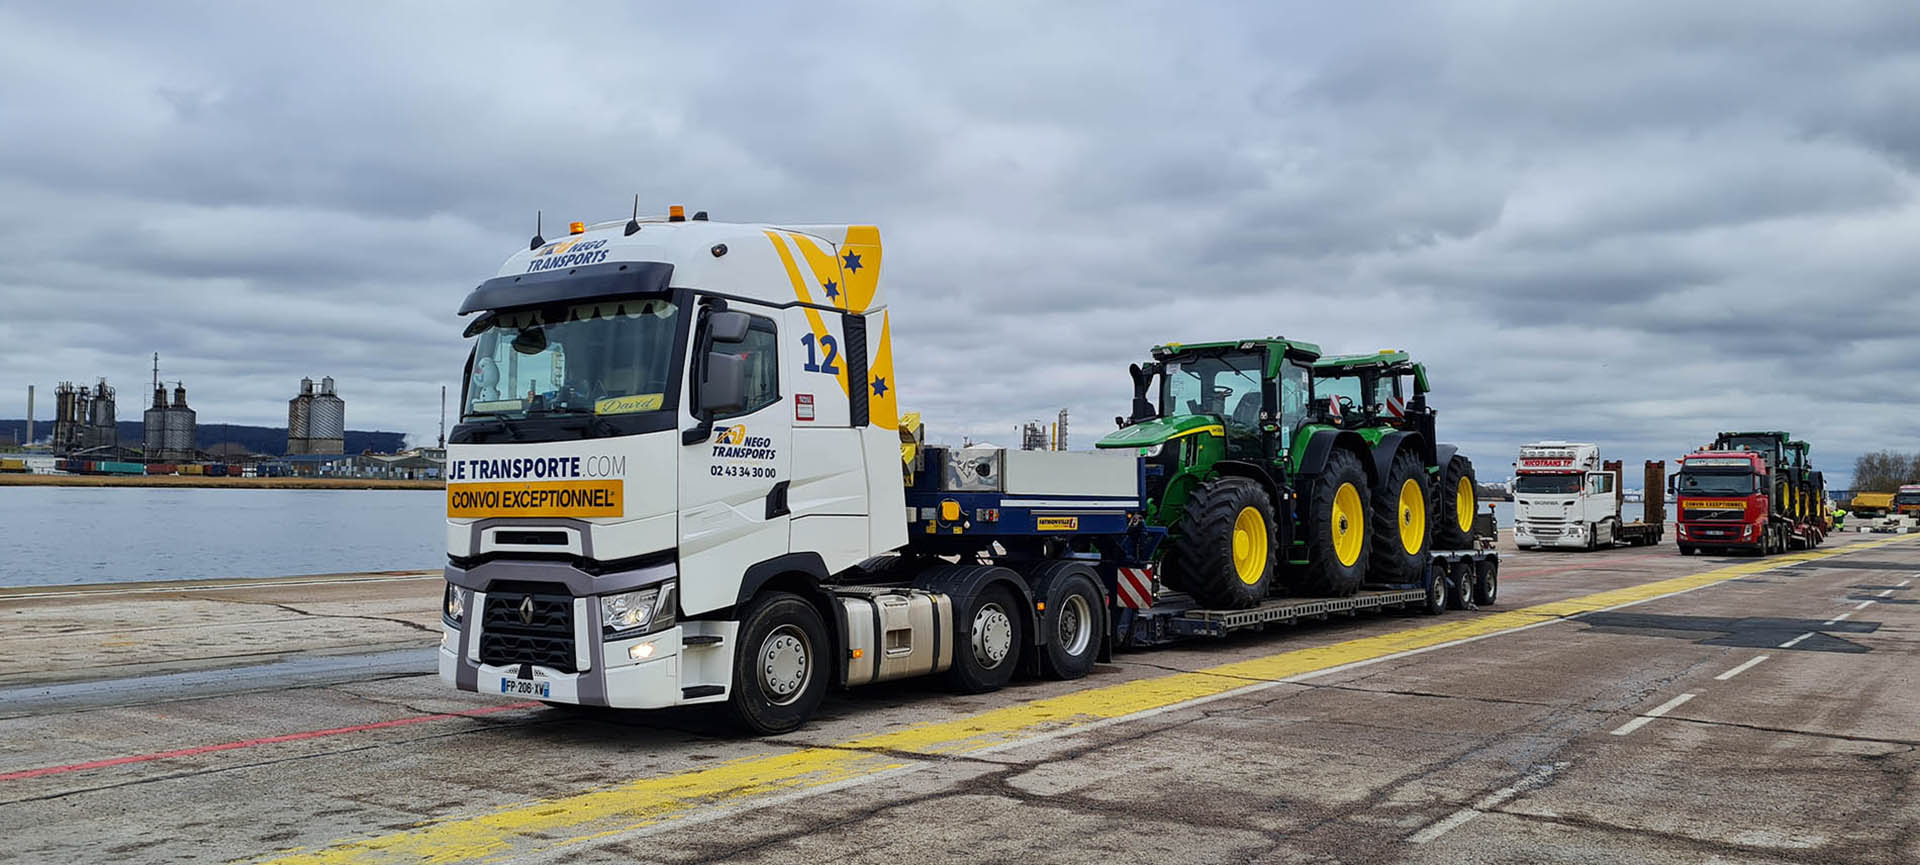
column 1263, row 474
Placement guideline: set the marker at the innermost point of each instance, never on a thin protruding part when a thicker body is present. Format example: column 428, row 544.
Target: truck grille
column 1691, row 514
column 1545, row 527
column 528, row 626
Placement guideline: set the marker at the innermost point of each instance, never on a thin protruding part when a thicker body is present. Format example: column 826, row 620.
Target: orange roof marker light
column 676, row 213
column 576, row 228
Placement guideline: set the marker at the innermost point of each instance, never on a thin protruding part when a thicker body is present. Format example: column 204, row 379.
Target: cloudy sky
column 1631, row 223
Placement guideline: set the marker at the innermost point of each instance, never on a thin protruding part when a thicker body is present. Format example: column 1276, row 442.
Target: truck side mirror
column 1670, row 481
column 724, row 388
column 728, row 327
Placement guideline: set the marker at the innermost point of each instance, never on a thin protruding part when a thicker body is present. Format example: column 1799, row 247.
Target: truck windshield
column 1568, row 484
column 1224, row 385
column 1906, row 498
column 1698, row 484
column 612, row 357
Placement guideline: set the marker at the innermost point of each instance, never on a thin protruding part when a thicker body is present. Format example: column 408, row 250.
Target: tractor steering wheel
column 1346, row 404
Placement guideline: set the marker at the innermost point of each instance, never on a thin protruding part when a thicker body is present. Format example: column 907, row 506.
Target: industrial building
column 316, row 422
column 83, row 418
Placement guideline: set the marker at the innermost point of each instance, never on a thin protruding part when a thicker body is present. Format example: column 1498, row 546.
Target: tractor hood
column 1158, row 430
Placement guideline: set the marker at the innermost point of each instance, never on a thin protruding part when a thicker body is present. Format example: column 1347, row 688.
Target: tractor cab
column 1253, row 394
column 1363, row 390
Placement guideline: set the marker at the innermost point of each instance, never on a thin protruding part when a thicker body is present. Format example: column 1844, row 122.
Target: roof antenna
column 633, row 224
column 537, row 239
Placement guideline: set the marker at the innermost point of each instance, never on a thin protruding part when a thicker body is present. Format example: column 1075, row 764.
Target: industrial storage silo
column 154, row 428
column 298, row 410
column 182, row 424
column 327, row 421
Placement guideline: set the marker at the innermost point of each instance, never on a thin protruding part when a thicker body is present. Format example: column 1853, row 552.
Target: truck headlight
column 643, row 610
column 456, row 603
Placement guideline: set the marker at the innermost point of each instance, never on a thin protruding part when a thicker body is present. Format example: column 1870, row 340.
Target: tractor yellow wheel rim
column 1250, row 546
column 1413, row 517
column 1348, row 525
column 1463, row 504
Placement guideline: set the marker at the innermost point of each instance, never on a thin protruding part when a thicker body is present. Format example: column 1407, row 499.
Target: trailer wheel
column 987, row 642
column 1223, row 551
column 1486, row 585
column 1074, row 623
column 1455, row 504
column 1337, row 536
column 1402, row 532
column 779, row 665
column 1439, row 594
column 1460, row 594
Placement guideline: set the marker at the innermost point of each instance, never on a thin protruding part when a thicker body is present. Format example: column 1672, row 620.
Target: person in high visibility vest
column 1839, row 517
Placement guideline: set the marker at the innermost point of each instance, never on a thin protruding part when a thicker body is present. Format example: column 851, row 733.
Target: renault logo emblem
column 526, row 610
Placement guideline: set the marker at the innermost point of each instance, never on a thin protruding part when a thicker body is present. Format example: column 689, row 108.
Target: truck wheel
column 1223, row 554
column 1074, row 626
column 1486, row 585
column 1337, row 536
column 1402, row 535
column 779, row 672
column 1455, row 505
column 1460, row 594
column 1439, row 594
column 987, row 642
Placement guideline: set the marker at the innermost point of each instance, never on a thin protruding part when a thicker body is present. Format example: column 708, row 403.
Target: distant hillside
column 258, row 439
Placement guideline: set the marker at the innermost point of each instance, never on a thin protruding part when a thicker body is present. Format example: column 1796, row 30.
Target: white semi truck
column 681, row 477
column 1564, row 497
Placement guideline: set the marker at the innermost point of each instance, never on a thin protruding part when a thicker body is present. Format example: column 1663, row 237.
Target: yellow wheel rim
column 1463, row 504
column 1413, row 517
column 1347, row 525
column 1250, row 546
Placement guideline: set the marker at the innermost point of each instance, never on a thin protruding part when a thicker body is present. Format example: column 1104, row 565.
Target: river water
column 60, row 535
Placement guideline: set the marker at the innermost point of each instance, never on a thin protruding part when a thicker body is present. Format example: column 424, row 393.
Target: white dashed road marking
column 1740, row 669
column 1836, row 619
column 1647, row 718
column 1532, row 780
column 1796, row 640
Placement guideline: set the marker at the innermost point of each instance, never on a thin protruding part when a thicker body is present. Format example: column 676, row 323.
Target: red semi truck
column 1725, row 501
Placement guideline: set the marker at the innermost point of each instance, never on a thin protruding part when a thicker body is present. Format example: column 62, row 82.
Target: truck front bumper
column 655, row 671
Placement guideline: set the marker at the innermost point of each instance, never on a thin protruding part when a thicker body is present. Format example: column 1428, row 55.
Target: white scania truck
column 1564, row 497
column 680, row 470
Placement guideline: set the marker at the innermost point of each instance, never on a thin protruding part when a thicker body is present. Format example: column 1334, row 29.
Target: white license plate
column 523, row 687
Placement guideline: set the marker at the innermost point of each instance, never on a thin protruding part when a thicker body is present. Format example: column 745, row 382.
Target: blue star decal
column 851, row 261
column 879, row 386
column 833, row 288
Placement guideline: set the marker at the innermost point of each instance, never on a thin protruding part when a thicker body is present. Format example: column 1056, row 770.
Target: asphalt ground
column 1626, row 706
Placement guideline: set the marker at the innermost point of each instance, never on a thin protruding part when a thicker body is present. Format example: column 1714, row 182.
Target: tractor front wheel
column 1455, row 505
column 1223, row 551
column 1337, row 536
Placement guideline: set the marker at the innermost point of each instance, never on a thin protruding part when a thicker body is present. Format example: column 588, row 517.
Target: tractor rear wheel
column 1337, row 536
column 1455, row 506
column 1402, row 536
column 1223, row 552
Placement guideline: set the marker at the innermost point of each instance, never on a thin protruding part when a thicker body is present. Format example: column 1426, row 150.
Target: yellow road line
column 601, row 813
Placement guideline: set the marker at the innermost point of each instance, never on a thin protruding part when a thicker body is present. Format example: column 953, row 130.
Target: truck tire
column 1461, row 595
column 780, row 664
column 1439, row 594
column 1486, row 584
column 1223, row 551
column 1454, row 505
column 1337, row 536
column 1074, row 623
column 988, row 638
column 1402, row 533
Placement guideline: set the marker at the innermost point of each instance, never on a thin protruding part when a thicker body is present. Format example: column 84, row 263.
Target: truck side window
column 760, row 349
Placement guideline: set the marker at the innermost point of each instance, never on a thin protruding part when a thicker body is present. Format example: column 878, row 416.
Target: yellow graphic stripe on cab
column 827, row 278
column 883, row 407
column 802, row 294
column 860, row 266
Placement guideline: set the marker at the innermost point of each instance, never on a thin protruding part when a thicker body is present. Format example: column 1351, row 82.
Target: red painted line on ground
column 250, row 743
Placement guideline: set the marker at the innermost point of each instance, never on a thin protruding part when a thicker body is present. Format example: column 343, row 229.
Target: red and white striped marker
column 1136, row 588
